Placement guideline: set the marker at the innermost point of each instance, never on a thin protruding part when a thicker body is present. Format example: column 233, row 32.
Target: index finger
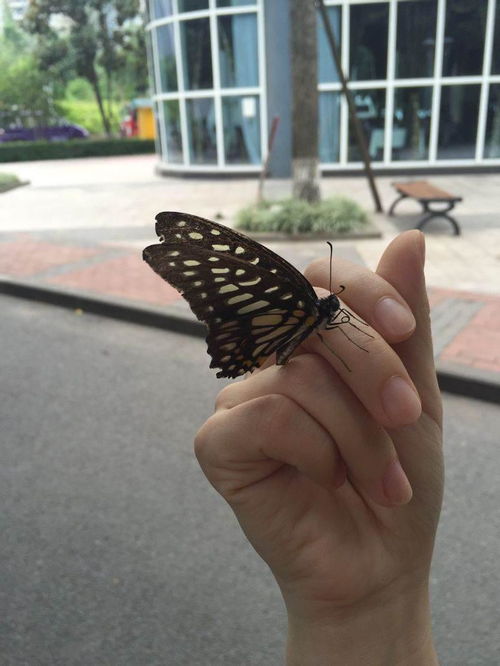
column 372, row 297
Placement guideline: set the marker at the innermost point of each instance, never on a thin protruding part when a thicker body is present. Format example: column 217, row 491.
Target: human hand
column 307, row 456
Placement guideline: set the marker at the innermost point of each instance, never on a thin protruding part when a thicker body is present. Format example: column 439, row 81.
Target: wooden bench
column 427, row 195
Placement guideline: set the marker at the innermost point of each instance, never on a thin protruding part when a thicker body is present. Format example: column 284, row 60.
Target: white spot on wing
column 252, row 306
column 250, row 282
column 195, row 235
column 219, row 270
column 221, row 248
column 227, row 288
column 238, row 299
column 191, row 262
column 239, row 250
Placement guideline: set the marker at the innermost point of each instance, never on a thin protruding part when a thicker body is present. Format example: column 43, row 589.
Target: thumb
column 402, row 265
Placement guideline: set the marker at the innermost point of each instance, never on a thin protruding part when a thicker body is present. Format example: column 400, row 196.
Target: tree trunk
column 97, row 92
column 305, row 162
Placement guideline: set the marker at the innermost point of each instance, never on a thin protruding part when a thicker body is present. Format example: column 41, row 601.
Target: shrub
column 86, row 113
column 337, row 214
column 8, row 181
column 24, row 151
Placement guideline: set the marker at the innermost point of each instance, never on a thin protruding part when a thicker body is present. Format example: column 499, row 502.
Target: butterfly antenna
column 331, row 261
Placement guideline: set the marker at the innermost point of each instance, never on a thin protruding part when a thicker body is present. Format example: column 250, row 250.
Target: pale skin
column 311, row 456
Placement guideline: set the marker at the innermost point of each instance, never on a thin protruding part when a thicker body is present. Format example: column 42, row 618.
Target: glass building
column 425, row 76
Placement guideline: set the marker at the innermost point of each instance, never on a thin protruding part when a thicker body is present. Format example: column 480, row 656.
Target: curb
column 115, row 308
column 452, row 378
column 12, row 186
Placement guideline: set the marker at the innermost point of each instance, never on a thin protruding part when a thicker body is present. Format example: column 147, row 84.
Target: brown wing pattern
column 252, row 300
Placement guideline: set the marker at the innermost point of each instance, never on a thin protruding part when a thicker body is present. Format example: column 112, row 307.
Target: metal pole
column 358, row 129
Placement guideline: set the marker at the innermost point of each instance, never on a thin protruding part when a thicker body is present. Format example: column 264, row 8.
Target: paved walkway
column 81, row 226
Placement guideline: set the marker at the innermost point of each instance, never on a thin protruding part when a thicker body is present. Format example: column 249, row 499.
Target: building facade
column 425, row 75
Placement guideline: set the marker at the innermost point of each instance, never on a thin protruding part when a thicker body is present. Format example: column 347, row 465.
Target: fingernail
column 396, row 486
column 340, row 474
column 393, row 317
column 400, row 401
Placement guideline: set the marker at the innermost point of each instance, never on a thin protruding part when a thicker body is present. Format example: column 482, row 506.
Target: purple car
column 61, row 132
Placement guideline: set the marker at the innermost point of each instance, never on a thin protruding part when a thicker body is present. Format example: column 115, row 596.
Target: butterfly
column 253, row 302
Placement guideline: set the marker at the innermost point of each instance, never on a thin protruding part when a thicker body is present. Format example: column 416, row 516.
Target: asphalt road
column 115, row 551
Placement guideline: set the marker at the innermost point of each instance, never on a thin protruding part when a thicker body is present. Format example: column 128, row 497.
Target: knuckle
column 315, row 270
column 272, row 413
column 205, row 437
column 303, row 371
column 223, row 399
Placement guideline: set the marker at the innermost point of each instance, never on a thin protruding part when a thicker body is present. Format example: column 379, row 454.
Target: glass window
column 411, row 124
column 173, row 131
column 161, row 8
column 196, row 54
column 495, row 62
column 158, row 136
column 329, row 126
column 166, row 58
column 492, row 144
column 464, row 37
column 370, row 108
column 192, row 5
column 149, row 54
column 241, row 120
column 327, row 71
column 368, row 43
column 201, row 131
column 416, row 38
column 458, row 122
column 238, row 51
column 235, row 3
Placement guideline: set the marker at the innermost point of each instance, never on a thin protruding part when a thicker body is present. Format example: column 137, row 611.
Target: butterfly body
column 253, row 302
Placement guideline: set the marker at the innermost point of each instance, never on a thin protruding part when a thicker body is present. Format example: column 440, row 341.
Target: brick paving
column 464, row 336
column 81, row 225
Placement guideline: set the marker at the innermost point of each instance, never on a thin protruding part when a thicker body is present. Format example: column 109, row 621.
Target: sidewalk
column 98, row 267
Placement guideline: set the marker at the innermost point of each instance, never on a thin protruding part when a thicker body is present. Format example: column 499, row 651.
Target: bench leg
column 439, row 213
column 391, row 209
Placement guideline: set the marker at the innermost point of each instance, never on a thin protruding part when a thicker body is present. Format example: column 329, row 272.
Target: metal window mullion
column 159, row 105
column 438, row 69
column 485, row 87
column 391, row 72
column 344, row 110
column 179, row 64
column 214, row 45
column 262, row 94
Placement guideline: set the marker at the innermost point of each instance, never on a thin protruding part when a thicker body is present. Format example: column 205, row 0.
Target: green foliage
column 79, row 89
column 86, row 114
column 24, row 151
column 25, row 91
column 104, row 45
column 8, row 179
column 294, row 216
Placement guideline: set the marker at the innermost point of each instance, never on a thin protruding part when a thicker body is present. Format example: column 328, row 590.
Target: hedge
column 337, row 214
column 26, row 151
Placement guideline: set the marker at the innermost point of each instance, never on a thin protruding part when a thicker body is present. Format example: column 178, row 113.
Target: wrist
column 393, row 631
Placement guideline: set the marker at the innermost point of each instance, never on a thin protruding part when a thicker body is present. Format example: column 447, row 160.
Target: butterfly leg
column 332, row 352
column 338, row 326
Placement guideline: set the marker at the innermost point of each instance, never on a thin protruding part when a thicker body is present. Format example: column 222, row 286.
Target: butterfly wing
column 252, row 300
